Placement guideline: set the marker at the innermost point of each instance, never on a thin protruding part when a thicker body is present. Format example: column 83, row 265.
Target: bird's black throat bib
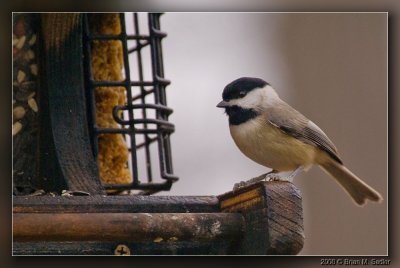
column 238, row 115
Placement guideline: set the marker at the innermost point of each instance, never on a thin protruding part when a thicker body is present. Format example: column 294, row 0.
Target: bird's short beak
column 223, row 104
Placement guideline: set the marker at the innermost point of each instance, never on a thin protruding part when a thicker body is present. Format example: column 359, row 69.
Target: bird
column 273, row 134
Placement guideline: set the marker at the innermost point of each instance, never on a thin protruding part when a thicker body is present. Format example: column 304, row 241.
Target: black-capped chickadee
column 273, row 134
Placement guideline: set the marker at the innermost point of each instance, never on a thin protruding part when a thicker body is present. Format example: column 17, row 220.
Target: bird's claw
column 239, row 185
column 273, row 177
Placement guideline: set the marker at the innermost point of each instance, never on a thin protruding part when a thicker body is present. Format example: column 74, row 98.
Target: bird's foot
column 264, row 177
column 239, row 185
column 273, row 177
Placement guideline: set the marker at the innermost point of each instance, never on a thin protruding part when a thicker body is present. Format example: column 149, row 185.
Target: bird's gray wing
column 293, row 123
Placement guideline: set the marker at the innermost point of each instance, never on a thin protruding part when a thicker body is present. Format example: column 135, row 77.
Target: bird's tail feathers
column 354, row 186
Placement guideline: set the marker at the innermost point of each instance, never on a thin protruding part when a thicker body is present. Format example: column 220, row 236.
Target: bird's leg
column 272, row 176
column 294, row 173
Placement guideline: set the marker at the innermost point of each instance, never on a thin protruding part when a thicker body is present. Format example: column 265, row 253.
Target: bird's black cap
column 232, row 90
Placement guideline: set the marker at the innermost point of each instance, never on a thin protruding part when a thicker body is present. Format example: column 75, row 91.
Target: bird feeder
column 91, row 143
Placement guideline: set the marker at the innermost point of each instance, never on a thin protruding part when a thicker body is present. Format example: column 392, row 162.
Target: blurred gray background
column 332, row 67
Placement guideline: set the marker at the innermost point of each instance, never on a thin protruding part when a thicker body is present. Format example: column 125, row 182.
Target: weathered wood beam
column 260, row 219
column 127, row 227
column 219, row 247
column 108, row 204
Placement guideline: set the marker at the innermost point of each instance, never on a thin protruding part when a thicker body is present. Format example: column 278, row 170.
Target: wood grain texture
column 66, row 159
column 273, row 216
column 118, row 204
column 220, row 247
column 128, row 227
column 261, row 219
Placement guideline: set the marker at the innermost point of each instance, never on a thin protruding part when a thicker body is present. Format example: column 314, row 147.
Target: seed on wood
column 30, row 55
column 34, row 69
column 17, row 126
column 15, row 41
column 32, row 41
column 18, row 112
column 21, row 42
column 158, row 240
column 32, row 103
column 20, row 76
column 38, row 193
column 66, row 193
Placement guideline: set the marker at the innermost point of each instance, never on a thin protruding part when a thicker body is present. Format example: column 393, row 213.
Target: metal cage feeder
column 156, row 129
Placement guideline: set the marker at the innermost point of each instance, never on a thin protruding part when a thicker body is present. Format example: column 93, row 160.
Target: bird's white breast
column 270, row 147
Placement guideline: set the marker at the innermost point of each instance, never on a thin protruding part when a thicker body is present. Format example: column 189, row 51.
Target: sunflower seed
column 66, row 193
column 16, row 128
column 38, row 193
column 32, row 41
column 15, row 41
column 34, row 69
column 158, row 240
column 30, row 55
column 32, row 103
column 20, row 76
column 21, row 42
column 18, row 112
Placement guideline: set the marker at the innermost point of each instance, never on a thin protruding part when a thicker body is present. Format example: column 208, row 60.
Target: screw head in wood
column 122, row 250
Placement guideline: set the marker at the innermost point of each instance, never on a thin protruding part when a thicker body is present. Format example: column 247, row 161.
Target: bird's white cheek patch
column 259, row 98
column 250, row 101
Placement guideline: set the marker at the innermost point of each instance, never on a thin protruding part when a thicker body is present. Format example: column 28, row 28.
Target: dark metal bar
column 129, row 97
column 141, row 186
column 157, row 87
column 158, row 75
column 161, row 123
column 142, row 91
column 139, row 46
column 151, row 140
column 145, row 93
column 128, row 131
column 121, row 83
column 122, row 36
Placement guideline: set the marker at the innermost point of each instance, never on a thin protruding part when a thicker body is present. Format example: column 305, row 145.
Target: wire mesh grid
column 143, row 119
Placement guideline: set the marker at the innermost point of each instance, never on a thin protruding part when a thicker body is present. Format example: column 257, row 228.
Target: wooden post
column 273, row 217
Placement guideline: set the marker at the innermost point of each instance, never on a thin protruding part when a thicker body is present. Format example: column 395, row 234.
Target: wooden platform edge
column 273, row 217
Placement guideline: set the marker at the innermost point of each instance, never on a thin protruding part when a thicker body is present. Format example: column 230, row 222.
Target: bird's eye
column 242, row 94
